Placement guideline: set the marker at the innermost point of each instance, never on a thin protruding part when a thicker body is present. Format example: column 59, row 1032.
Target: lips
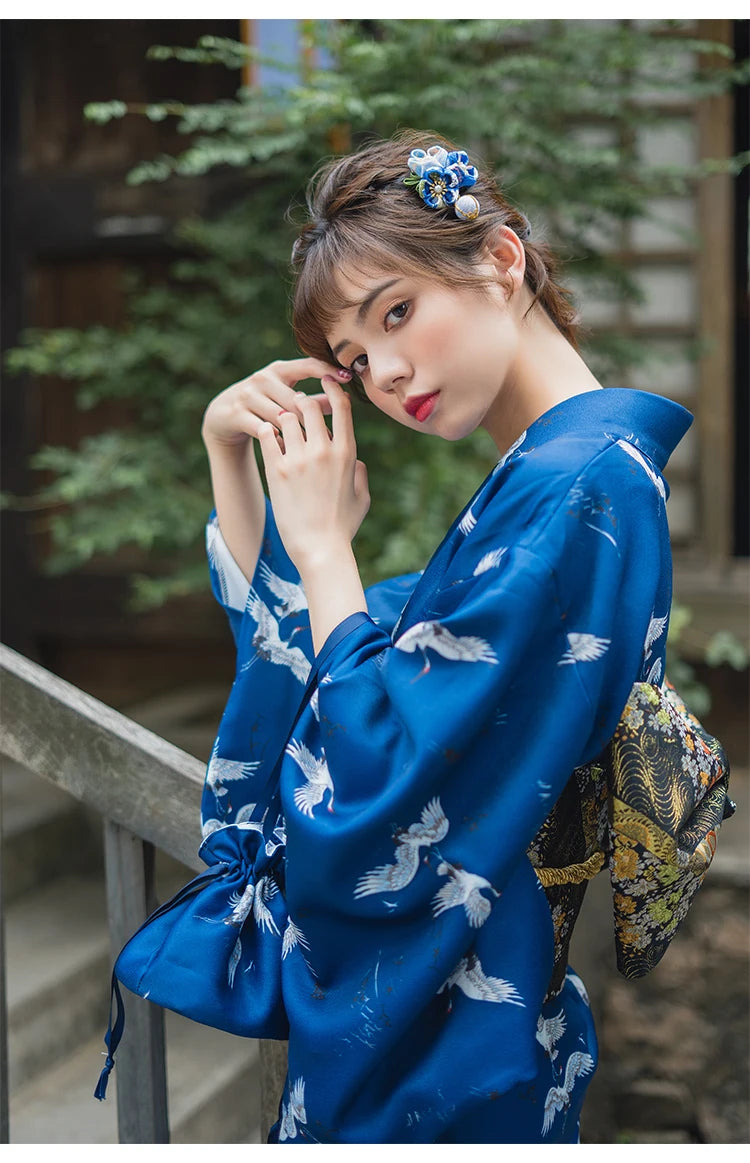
column 420, row 407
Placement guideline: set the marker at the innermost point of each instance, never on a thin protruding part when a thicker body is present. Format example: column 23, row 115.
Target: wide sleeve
column 447, row 747
column 269, row 619
column 270, row 624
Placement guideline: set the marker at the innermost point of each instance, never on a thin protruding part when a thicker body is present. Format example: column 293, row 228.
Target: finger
column 269, row 446
column 291, row 431
column 316, row 430
column 276, row 398
column 341, row 411
column 291, row 371
column 361, row 482
column 322, row 399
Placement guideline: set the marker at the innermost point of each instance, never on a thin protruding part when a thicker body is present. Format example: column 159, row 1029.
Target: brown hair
column 363, row 218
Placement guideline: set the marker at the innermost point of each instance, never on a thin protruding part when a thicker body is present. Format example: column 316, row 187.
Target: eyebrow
column 362, row 311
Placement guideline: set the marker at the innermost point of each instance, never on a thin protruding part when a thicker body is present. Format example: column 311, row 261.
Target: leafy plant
column 554, row 107
column 720, row 649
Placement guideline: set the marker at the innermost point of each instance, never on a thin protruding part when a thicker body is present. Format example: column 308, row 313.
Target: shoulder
column 578, row 495
column 600, row 458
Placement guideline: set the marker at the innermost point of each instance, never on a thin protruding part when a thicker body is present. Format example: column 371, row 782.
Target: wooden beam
column 123, row 771
column 141, row 1058
column 716, row 366
column 4, row 1119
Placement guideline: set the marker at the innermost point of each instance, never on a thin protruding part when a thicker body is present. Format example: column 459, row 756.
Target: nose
column 388, row 370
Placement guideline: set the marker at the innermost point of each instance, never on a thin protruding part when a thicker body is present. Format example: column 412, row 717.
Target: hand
column 235, row 415
column 318, row 488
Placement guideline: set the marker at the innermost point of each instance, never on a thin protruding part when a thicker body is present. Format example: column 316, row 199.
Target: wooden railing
column 147, row 792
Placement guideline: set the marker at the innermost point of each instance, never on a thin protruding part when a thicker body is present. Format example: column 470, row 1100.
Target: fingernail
column 344, row 374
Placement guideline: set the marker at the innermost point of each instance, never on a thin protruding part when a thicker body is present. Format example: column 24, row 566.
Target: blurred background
column 148, row 166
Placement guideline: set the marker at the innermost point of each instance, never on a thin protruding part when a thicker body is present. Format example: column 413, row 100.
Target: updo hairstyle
column 363, row 219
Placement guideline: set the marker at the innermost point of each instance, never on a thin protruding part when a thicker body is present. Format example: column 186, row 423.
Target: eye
column 358, row 365
column 400, row 311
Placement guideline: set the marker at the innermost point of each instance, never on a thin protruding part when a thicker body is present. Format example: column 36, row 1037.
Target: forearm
column 333, row 588
column 239, row 500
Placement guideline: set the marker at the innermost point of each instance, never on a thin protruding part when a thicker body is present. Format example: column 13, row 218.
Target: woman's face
column 433, row 358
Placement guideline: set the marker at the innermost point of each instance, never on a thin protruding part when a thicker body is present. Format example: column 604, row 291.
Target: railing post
column 273, row 1067
column 141, row 1060
column 4, row 1116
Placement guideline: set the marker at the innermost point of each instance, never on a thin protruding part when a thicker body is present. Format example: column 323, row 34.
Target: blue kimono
column 444, row 725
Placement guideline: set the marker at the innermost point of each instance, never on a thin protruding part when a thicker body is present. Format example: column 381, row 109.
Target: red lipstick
column 420, row 407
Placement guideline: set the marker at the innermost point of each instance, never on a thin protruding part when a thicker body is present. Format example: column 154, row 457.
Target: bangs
column 319, row 298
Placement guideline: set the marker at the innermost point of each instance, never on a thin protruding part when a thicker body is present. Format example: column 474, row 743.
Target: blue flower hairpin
column 440, row 176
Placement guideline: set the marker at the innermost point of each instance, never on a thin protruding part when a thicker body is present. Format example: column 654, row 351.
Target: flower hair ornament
column 439, row 178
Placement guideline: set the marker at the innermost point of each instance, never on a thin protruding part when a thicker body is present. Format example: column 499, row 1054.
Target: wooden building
column 71, row 227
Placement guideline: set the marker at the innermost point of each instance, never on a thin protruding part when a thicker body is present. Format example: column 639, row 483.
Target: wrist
column 333, row 587
column 230, row 450
column 324, row 556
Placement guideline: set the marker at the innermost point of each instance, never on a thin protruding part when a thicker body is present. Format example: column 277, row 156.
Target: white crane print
column 292, row 938
column 316, row 774
column 314, row 697
column 641, row 460
column 233, row 584
column 268, row 643
column 424, row 636
column 234, row 961
column 578, row 985
column 654, row 675
column 467, row 522
column 291, row 594
column 431, row 829
column 490, row 560
column 463, row 888
column 293, row 1112
column 254, row 898
column 221, row 771
column 584, row 648
column 471, row 979
column 656, row 628
column 507, row 455
column 549, row 1031
column 578, row 1065
column 244, row 816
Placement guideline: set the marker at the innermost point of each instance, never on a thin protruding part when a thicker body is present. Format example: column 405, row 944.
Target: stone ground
column 675, row 1046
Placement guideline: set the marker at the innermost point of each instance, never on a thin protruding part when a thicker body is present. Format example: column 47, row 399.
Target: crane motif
column 268, row 643
column 425, row 636
column 578, row 1065
column 471, row 979
column 432, row 827
column 463, row 888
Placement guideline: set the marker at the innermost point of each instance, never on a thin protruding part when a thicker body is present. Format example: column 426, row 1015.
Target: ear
column 506, row 255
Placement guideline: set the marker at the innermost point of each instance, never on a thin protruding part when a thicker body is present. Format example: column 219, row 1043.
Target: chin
column 456, row 429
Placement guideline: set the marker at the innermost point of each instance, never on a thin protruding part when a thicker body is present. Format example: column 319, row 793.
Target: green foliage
column 722, row 648
column 518, row 94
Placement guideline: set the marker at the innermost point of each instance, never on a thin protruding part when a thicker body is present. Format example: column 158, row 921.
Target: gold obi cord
column 571, row 873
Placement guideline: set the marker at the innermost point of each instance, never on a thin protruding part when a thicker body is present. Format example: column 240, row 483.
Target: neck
column 545, row 371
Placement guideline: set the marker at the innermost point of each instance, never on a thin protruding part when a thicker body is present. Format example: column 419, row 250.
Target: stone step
column 45, row 832
column 213, row 1082
column 58, row 970
column 59, row 966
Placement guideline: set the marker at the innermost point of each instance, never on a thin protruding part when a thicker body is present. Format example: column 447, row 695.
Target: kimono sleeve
column 269, row 619
column 456, row 739
column 270, row 623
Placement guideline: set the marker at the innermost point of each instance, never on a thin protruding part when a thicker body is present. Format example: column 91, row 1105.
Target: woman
column 424, row 969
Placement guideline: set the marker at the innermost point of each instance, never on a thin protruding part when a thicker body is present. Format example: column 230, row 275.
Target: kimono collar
column 652, row 423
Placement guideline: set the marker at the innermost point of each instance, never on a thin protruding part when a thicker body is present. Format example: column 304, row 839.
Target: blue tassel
column 111, row 1038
